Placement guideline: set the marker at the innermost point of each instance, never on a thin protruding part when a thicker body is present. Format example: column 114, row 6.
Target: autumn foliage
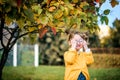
column 59, row 15
column 19, row 18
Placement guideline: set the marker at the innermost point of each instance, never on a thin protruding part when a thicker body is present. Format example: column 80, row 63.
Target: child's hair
column 70, row 34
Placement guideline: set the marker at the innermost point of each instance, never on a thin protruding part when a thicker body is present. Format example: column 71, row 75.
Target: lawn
column 55, row 73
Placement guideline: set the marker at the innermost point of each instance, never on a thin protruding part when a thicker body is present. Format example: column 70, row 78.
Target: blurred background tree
column 94, row 40
column 115, row 34
column 113, row 40
column 52, row 49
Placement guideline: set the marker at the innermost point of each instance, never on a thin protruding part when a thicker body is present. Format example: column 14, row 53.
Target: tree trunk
column 0, row 74
column 3, row 61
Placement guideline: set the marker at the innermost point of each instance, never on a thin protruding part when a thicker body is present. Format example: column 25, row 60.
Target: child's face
column 77, row 41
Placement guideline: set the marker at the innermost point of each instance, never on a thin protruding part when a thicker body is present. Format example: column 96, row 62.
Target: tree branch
column 6, row 33
column 8, row 30
column 35, row 31
column 12, row 44
column 1, row 31
column 12, row 37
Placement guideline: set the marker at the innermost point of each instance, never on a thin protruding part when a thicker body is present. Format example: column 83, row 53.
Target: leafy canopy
column 58, row 15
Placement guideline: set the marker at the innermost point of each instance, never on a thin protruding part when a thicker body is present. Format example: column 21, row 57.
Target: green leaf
column 54, row 3
column 44, row 19
column 13, row 13
column 76, row 12
column 39, row 11
column 67, row 20
column 36, row 7
column 29, row 14
column 107, row 11
column 83, row 16
column 7, row 8
column 97, row 9
column 85, row 7
column 104, row 19
column 62, row 8
column 84, row 4
column 66, row 1
column 49, row 15
column 70, row 6
column 78, row 22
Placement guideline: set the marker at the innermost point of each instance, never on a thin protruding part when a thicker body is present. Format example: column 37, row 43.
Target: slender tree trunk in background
column 4, row 57
column 3, row 61
column 0, row 74
column 5, row 48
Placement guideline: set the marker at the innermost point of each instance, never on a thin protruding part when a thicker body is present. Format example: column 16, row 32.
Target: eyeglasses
column 79, row 41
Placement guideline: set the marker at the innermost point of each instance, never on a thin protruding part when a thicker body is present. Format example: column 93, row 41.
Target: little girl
column 77, row 58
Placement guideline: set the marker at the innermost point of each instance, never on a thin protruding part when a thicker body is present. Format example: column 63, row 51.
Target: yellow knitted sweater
column 76, row 63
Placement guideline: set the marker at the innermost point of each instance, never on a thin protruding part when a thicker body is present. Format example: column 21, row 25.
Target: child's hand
column 85, row 45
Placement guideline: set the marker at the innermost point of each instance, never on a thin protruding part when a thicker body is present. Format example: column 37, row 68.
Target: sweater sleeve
column 89, row 58
column 69, row 57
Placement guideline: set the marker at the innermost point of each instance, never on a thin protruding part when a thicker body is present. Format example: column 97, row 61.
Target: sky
column 114, row 13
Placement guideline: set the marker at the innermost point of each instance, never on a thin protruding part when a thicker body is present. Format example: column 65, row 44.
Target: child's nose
column 78, row 42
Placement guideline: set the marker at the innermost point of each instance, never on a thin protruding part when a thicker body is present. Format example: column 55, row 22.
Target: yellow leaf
column 54, row 3
column 0, row 1
column 74, row 26
column 48, row 2
column 25, row 7
column 70, row 6
column 61, row 24
column 40, row 26
column 38, row 21
column 61, row 2
column 20, row 23
column 72, row 12
column 83, row 4
column 31, row 29
column 28, row 22
column 8, row 20
column 36, row 17
column 58, row 14
column 66, row 11
column 51, row 24
column 75, row 1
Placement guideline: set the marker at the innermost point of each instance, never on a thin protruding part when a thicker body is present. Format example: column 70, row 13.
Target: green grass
column 104, row 73
column 55, row 73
